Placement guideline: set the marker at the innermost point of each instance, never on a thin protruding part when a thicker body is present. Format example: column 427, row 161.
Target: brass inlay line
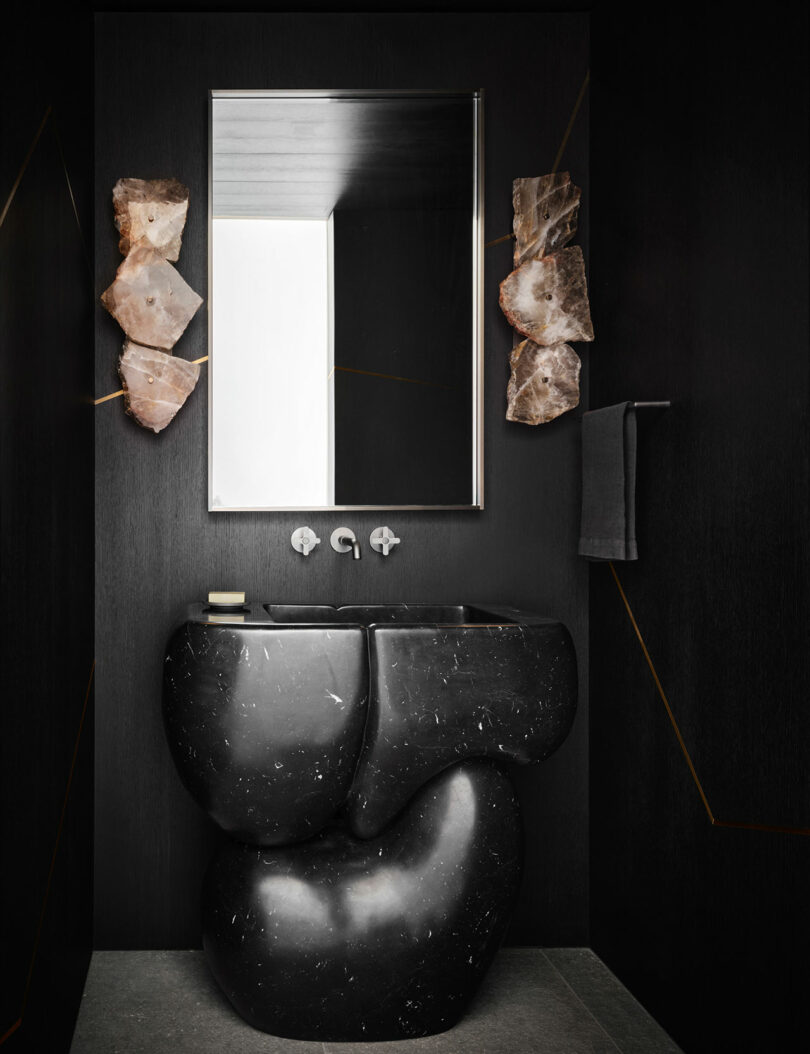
column 88, row 265
column 345, row 369
column 10, row 1032
column 661, row 692
column 21, row 173
column 49, row 881
column 560, row 152
column 574, row 113
column 391, row 377
column 497, row 241
column 114, row 395
column 779, row 828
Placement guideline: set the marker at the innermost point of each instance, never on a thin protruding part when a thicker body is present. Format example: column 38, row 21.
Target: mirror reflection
column 345, row 240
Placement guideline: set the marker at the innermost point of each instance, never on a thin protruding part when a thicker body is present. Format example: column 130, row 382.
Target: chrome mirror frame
column 477, row 98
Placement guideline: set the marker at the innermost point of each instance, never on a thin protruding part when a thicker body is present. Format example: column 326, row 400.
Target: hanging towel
column 608, row 527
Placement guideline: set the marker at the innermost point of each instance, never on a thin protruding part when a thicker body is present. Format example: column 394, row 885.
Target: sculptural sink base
column 342, row 939
column 353, row 754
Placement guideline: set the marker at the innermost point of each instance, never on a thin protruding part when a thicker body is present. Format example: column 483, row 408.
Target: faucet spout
column 343, row 539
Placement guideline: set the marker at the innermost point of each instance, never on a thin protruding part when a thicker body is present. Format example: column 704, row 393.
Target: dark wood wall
column 700, row 292
column 46, row 531
column 157, row 546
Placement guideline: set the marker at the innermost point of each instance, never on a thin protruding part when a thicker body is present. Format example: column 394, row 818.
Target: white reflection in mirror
column 273, row 362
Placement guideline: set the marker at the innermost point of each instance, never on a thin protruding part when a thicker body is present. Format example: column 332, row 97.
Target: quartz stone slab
column 439, row 695
column 155, row 384
column 544, row 383
column 547, row 300
column 150, row 213
column 150, row 301
column 344, row 940
column 546, row 210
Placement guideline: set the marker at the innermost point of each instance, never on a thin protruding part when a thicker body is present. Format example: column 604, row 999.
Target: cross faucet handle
column 383, row 540
column 303, row 540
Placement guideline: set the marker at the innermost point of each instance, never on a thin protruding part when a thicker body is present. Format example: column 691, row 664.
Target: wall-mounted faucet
column 383, row 540
column 343, row 539
column 304, row 540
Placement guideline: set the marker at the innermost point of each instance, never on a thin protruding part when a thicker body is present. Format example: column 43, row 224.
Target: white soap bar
column 226, row 598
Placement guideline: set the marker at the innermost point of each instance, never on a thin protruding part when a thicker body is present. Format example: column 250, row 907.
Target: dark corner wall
column 158, row 548
column 46, row 527
column 699, row 289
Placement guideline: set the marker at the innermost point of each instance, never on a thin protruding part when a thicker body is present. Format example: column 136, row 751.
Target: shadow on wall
column 700, row 264
column 46, row 532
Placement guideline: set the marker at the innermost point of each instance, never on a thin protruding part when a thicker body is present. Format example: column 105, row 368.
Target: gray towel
column 608, row 528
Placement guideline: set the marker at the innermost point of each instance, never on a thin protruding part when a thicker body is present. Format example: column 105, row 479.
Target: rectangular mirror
column 345, row 305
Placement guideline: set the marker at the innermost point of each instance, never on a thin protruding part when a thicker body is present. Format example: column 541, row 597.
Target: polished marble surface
column 345, row 939
column 376, row 921
column 533, row 1001
column 442, row 694
column 265, row 723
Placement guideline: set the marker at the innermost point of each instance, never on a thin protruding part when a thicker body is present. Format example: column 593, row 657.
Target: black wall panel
column 46, row 531
column 699, row 288
column 158, row 547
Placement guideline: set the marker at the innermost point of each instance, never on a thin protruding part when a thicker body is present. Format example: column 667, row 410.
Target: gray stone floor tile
column 149, row 1002
column 611, row 1004
column 562, row 1002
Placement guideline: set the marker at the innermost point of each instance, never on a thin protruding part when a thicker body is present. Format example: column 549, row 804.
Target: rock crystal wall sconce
column 545, row 299
column 150, row 301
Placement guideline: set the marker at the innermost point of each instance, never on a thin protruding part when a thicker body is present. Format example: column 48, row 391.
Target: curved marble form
column 385, row 851
column 340, row 939
column 265, row 723
column 440, row 694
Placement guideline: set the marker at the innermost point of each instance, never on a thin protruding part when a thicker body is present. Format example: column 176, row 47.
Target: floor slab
column 618, row 1012
column 562, row 1001
column 164, row 1002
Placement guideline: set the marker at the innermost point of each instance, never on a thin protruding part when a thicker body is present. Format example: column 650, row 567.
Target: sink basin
column 356, row 752
column 360, row 704
column 373, row 614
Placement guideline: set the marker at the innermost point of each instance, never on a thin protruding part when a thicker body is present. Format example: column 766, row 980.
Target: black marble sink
column 356, row 756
